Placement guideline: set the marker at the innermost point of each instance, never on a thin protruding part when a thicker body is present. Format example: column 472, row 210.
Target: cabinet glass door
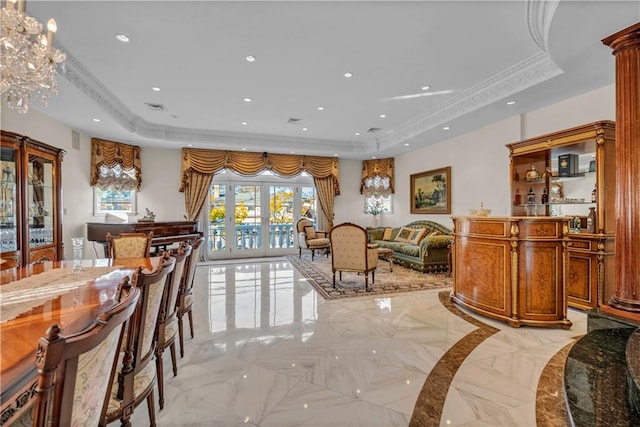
column 40, row 201
column 9, row 201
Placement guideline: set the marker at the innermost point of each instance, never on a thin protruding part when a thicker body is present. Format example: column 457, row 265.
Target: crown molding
column 527, row 73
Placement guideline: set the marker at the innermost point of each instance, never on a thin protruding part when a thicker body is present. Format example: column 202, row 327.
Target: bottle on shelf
column 591, row 221
column 531, row 197
column 545, row 196
column 518, row 199
column 592, row 164
column 593, row 194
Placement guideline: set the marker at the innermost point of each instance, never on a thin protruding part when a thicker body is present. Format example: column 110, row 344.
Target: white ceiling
column 481, row 53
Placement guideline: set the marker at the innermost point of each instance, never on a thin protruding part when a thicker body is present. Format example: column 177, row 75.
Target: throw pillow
column 435, row 233
column 310, row 231
column 417, row 235
column 387, row 233
column 404, row 234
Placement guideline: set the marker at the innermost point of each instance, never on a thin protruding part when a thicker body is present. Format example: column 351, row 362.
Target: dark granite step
column 601, row 374
column 633, row 365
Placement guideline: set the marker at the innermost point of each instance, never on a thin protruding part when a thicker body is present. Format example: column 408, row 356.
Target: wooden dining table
column 74, row 310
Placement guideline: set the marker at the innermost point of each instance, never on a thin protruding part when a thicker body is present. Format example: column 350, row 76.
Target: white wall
column 479, row 164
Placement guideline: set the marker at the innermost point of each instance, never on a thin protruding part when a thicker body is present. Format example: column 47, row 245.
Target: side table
column 387, row 255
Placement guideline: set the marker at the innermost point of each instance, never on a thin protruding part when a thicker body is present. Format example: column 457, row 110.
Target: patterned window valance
column 210, row 162
column 115, row 165
column 377, row 177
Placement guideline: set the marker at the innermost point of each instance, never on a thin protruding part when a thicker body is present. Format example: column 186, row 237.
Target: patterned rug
column 401, row 279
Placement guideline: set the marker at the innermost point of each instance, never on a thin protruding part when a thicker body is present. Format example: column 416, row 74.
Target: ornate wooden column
column 626, row 48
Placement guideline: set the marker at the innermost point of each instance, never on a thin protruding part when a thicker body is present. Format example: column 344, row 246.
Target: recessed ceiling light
column 251, row 58
column 335, row 155
column 511, row 102
column 382, row 116
column 426, row 87
column 320, row 108
column 373, row 157
column 357, row 133
column 155, row 88
column 189, row 145
column 247, row 100
column 123, row 38
column 244, row 123
column 406, row 144
column 305, row 129
column 348, row 74
column 244, row 149
column 293, row 152
column 96, row 120
column 446, row 128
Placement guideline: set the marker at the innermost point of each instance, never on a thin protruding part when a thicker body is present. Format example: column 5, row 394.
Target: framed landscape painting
column 431, row 191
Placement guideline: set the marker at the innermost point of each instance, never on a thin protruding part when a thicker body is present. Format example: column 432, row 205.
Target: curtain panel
column 197, row 162
column 109, row 159
column 380, row 167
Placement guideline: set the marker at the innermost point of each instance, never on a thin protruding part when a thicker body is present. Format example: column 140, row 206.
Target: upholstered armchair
column 351, row 251
column 310, row 238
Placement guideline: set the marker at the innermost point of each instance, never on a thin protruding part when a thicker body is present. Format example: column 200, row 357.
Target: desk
column 73, row 311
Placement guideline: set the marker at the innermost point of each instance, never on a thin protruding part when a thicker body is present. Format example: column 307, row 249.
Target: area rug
column 401, row 279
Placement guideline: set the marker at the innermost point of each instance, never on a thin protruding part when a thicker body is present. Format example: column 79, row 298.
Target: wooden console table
column 512, row 268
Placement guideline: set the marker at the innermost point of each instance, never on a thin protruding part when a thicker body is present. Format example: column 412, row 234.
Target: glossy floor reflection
column 268, row 351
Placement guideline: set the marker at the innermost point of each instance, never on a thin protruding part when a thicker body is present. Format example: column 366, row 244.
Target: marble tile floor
column 269, row 351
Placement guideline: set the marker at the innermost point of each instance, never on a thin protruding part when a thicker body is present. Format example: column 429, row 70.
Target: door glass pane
column 8, row 203
column 280, row 217
column 310, row 203
column 40, row 201
column 217, row 215
column 247, row 217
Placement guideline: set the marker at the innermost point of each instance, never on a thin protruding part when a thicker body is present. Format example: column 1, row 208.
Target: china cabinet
column 571, row 173
column 31, row 204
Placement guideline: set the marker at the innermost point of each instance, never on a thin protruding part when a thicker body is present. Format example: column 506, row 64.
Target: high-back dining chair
column 75, row 371
column 185, row 296
column 351, row 251
column 129, row 245
column 167, row 329
column 135, row 372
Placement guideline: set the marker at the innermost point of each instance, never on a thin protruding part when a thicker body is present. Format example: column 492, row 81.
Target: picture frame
column 431, row 191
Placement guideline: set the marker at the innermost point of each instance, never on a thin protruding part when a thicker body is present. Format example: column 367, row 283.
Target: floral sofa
column 420, row 245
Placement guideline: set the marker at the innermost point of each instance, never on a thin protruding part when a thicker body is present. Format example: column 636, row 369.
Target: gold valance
column 115, row 164
column 380, row 167
column 249, row 163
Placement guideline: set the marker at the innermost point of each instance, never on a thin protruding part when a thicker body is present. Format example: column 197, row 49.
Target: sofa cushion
column 411, row 250
column 404, row 234
column 310, row 231
column 387, row 233
column 417, row 235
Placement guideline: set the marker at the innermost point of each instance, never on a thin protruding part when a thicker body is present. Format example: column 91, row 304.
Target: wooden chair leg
column 334, row 279
column 181, row 334
column 313, row 252
column 152, row 410
column 299, row 252
column 190, row 314
column 174, row 362
column 160, row 375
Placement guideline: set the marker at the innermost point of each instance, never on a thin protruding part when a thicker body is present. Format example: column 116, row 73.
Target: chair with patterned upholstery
column 75, row 371
column 129, row 245
column 185, row 296
column 167, row 329
column 136, row 374
column 351, row 251
column 310, row 238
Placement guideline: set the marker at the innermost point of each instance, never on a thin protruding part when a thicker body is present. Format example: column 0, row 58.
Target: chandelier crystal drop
column 28, row 59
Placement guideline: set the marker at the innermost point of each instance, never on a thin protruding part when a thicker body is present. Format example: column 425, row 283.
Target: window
column 377, row 195
column 114, row 201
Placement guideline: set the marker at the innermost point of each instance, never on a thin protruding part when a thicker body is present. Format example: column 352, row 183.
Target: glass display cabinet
column 30, row 208
column 571, row 173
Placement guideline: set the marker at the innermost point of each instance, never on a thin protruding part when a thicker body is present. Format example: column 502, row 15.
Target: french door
column 256, row 218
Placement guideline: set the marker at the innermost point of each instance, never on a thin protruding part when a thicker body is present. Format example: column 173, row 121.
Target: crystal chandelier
column 29, row 60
